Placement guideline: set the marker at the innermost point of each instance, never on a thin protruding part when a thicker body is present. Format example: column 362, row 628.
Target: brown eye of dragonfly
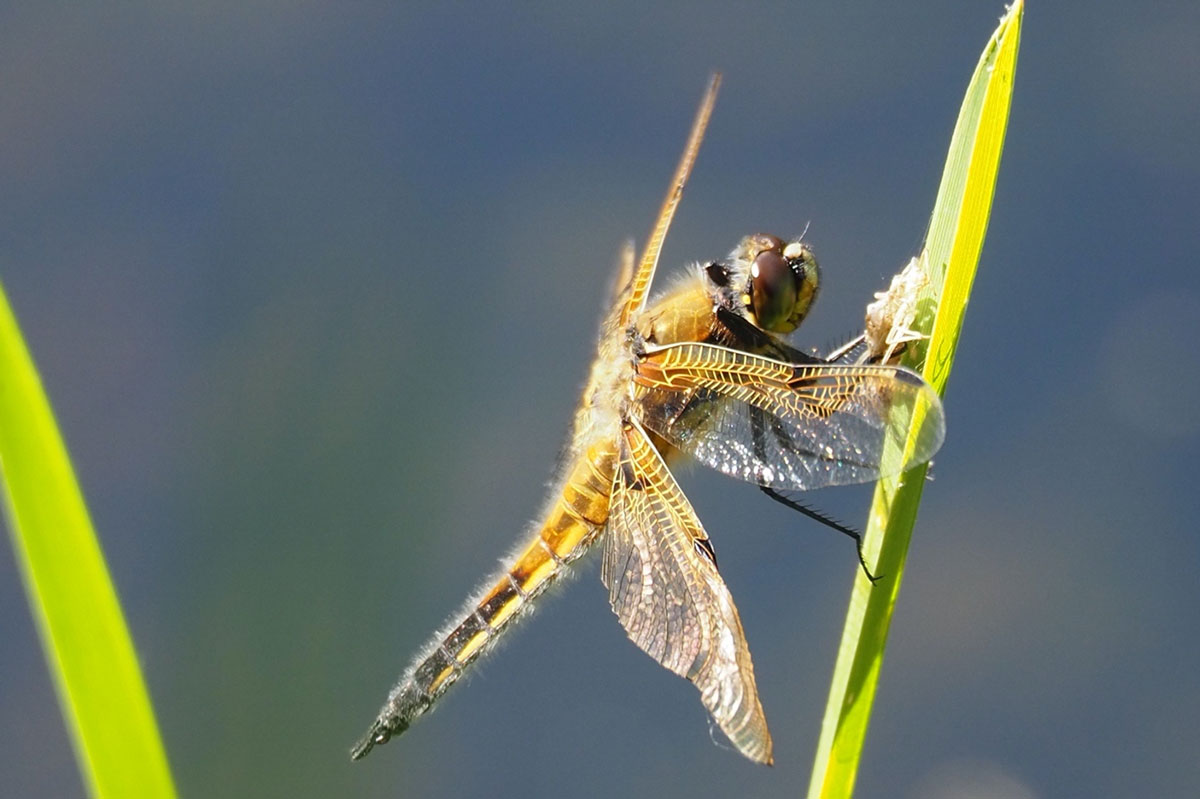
column 773, row 289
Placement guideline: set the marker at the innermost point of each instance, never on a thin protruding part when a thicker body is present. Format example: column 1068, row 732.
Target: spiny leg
column 829, row 522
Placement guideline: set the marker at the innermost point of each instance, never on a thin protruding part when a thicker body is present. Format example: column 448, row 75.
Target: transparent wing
column 790, row 426
column 664, row 587
column 622, row 283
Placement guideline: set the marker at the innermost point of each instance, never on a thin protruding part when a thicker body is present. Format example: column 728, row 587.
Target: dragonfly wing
column 635, row 301
column 787, row 425
column 664, row 587
column 622, row 284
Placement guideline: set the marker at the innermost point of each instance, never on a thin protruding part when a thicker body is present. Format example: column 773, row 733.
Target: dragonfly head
column 776, row 281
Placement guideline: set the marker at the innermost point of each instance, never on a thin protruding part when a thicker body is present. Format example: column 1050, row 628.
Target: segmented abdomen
column 569, row 529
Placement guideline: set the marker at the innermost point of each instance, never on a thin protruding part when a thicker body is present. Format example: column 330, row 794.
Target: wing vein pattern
column 664, row 587
column 786, row 425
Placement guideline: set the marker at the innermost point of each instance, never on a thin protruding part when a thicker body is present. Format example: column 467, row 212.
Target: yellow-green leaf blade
column 956, row 232
column 87, row 645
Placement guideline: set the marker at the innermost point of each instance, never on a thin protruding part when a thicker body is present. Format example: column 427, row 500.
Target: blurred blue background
column 313, row 288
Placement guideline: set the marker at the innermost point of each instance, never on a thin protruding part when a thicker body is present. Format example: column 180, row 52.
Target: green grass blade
column 87, row 644
column 956, row 231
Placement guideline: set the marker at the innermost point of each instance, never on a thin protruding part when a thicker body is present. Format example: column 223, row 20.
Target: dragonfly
column 698, row 371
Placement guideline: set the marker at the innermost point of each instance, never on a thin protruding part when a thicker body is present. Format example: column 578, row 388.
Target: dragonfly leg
column 816, row 515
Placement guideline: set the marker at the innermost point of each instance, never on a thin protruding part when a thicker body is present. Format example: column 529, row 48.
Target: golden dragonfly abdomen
column 570, row 527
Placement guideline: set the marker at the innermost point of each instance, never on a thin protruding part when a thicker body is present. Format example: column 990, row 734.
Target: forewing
column 664, row 587
column 644, row 276
column 790, row 426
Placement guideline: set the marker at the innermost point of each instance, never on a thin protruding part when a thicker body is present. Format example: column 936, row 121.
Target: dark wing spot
column 705, row 548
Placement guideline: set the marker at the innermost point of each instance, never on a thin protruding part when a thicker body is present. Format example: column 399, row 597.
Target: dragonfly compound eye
column 773, row 289
column 782, row 287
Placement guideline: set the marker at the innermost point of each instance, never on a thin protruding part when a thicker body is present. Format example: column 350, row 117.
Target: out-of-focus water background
column 313, row 288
